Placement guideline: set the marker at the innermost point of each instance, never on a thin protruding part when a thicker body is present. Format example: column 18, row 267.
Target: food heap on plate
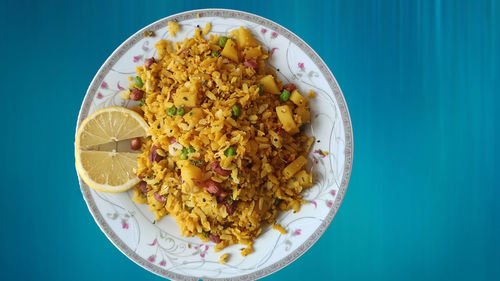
column 226, row 151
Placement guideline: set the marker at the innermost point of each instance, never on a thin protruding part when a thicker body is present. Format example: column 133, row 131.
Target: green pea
column 236, row 111
column 222, row 41
column 184, row 155
column 172, row 111
column 191, row 149
column 181, row 111
column 138, row 82
column 261, row 90
column 230, row 151
column 215, row 54
column 285, row 95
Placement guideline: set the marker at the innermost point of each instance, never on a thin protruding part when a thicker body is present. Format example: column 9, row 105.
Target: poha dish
column 226, row 151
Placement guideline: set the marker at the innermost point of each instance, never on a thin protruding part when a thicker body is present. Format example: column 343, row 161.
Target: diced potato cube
column 189, row 171
column 194, row 116
column 252, row 53
column 285, row 117
column 245, row 39
column 298, row 99
column 185, row 97
column 294, row 167
column 304, row 113
column 304, row 178
column 269, row 85
column 230, row 51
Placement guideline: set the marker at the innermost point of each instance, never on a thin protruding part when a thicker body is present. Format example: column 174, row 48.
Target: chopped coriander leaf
column 196, row 162
column 141, row 103
column 236, row 111
column 191, row 149
column 277, row 201
column 205, row 232
column 260, row 89
column 215, row 54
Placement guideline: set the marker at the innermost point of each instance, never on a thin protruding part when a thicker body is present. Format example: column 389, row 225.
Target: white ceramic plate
column 159, row 247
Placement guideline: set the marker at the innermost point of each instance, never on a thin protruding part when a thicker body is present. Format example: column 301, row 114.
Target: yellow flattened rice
column 173, row 28
column 279, row 228
column 226, row 152
column 223, row 258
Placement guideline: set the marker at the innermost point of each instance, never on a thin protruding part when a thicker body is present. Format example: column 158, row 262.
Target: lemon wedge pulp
column 108, row 171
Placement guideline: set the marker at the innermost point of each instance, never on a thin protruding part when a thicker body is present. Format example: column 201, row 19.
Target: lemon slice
column 110, row 124
column 108, row 171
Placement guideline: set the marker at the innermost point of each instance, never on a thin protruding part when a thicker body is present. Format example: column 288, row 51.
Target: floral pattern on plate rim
column 100, row 91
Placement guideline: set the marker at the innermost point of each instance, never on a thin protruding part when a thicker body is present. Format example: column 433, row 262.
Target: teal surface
column 421, row 79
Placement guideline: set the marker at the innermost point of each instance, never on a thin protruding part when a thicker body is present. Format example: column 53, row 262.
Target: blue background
column 421, row 82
